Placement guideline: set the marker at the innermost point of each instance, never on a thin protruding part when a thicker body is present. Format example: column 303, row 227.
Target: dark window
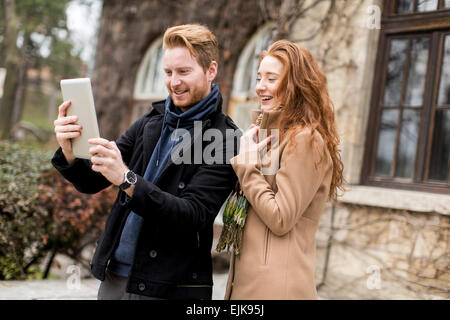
column 408, row 137
column 438, row 169
column 415, row 6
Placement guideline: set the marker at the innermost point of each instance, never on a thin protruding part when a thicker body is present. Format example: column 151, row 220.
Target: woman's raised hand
column 249, row 141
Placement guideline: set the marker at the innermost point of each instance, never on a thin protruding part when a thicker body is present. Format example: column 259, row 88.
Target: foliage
column 62, row 61
column 77, row 219
column 45, row 22
column 42, row 16
column 42, row 20
column 20, row 216
column 43, row 43
column 40, row 212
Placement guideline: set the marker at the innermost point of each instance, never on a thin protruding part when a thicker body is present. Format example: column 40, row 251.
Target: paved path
column 65, row 290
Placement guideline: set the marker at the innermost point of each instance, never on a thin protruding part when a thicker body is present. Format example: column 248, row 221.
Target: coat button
column 153, row 254
column 194, row 276
column 141, row 286
column 181, row 185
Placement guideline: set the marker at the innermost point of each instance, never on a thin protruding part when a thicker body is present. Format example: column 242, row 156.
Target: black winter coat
column 173, row 252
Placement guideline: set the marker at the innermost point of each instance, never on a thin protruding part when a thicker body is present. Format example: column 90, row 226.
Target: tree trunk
column 34, row 260
column 22, row 86
column 49, row 264
column 52, row 105
column 12, row 68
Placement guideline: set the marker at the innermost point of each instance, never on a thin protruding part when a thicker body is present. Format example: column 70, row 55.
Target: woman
column 276, row 258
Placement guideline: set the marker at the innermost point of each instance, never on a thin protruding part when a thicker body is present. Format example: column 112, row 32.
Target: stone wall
column 377, row 253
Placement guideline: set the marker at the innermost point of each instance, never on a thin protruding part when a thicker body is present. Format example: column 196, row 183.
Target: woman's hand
column 249, row 141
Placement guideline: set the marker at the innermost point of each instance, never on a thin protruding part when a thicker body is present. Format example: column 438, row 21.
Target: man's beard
column 193, row 97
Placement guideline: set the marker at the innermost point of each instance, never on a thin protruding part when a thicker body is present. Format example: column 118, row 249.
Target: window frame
column 143, row 74
column 239, row 91
column 389, row 8
column 436, row 24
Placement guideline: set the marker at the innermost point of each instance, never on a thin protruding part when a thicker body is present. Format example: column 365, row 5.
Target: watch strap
column 127, row 183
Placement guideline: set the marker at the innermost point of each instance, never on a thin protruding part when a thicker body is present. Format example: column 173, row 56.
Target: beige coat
column 277, row 259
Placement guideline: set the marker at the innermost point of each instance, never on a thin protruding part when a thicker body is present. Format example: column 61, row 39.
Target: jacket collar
column 159, row 106
column 155, row 125
column 269, row 119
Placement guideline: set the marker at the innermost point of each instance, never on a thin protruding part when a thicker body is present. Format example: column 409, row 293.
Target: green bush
column 21, row 222
column 40, row 212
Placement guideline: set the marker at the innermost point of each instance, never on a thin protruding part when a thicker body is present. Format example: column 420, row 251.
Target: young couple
column 158, row 236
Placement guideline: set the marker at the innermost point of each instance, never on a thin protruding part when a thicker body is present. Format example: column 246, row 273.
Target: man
column 158, row 237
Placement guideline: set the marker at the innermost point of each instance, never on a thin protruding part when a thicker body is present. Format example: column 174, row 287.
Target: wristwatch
column 129, row 179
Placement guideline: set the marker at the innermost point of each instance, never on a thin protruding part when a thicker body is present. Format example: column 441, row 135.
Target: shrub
column 40, row 212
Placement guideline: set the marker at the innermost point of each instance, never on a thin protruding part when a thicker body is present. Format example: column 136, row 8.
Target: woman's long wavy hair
column 303, row 93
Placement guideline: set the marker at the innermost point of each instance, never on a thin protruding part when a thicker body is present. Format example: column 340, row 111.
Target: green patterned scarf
column 234, row 217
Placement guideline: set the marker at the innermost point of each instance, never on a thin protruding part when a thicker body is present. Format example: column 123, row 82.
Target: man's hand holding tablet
column 105, row 156
column 107, row 159
column 66, row 129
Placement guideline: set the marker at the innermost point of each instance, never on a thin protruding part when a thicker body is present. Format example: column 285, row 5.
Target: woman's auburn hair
column 303, row 93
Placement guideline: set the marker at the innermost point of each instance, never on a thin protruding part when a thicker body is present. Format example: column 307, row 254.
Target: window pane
column 407, row 144
column 150, row 80
column 394, row 75
column 158, row 78
column 404, row 6
column 441, row 146
column 417, row 71
column 447, row 3
column 261, row 41
column 444, row 87
column 427, row 5
column 386, row 142
column 146, row 72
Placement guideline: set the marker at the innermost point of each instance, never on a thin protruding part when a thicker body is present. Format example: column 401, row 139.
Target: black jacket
column 173, row 252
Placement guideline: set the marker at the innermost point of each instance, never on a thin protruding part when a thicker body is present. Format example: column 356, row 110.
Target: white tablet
column 79, row 92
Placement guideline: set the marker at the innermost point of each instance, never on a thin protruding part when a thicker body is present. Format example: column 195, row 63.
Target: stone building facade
column 386, row 238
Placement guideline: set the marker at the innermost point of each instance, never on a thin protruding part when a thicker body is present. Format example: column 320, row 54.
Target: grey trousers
column 114, row 288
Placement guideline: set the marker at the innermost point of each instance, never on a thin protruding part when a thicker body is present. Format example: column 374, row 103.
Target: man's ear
column 211, row 73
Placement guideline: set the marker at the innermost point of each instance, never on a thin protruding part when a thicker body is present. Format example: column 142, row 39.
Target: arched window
column 149, row 85
column 244, row 82
column 243, row 96
column 150, row 78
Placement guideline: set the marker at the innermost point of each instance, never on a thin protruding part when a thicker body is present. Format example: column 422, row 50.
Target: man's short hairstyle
column 198, row 39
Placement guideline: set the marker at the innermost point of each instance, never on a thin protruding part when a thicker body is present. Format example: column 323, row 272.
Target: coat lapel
column 152, row 132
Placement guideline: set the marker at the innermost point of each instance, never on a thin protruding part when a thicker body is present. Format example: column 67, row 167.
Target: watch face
column 131, row 177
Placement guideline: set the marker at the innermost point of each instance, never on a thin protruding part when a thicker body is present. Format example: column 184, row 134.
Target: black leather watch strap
column 129, row 179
